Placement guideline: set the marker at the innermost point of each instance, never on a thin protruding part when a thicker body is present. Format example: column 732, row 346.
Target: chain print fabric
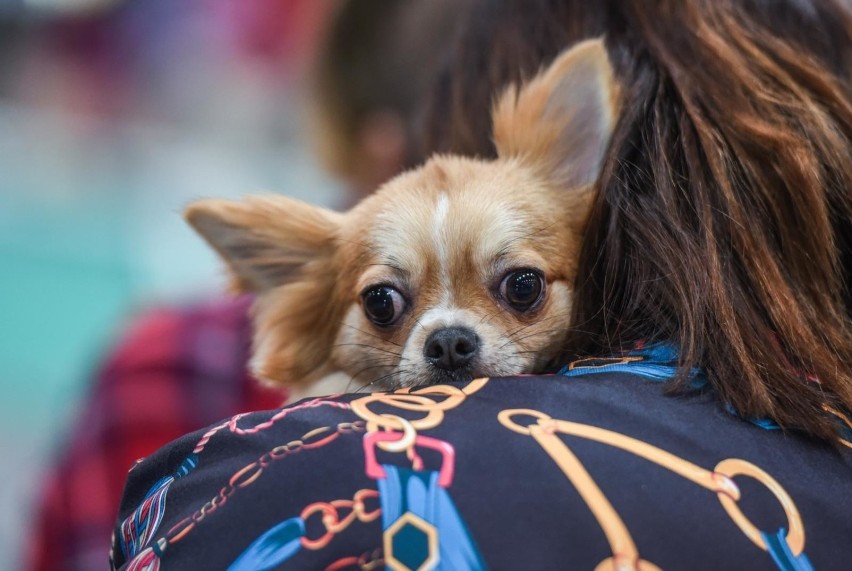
column 591, row 469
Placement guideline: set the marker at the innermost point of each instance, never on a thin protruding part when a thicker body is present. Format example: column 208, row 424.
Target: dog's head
column 458, row 269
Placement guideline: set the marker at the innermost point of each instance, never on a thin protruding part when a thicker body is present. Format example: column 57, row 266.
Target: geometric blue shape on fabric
column 779, row 549
column 272, row 548
column 410, row 546
column 404, row 490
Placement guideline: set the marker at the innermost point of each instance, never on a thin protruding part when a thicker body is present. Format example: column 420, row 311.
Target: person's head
column 378, row 59
column 723, row 221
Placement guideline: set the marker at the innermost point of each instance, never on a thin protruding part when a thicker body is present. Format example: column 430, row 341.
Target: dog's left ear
column 561, row 121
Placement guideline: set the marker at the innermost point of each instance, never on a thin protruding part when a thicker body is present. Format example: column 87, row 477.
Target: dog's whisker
column 537, row 323
column 518, row 338
column 375, row 361
column 535, row 334
column 382, row 378
column 367, row 345
column 417, row 321
column 371, row 334
column 518, row 331
column 489, row 316
column 369, row 368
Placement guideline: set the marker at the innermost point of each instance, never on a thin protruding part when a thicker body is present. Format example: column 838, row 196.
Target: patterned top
column 594, row 468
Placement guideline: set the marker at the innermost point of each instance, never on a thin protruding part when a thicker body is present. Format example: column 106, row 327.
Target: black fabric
column 520, row 509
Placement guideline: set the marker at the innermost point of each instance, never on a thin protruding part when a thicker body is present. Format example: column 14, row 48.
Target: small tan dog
column 458, row 269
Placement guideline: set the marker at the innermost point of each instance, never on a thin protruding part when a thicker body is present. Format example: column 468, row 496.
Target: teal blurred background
column 113, row 115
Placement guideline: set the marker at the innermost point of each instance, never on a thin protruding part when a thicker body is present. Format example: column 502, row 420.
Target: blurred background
column 113, row 115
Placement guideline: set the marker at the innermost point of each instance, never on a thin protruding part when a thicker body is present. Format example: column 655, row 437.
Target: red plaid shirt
column 174, row 372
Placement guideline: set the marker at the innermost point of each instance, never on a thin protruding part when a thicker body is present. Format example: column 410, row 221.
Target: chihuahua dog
column 461, row 268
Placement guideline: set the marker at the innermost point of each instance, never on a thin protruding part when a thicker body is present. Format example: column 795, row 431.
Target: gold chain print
column 420, row 401
column 625, row 555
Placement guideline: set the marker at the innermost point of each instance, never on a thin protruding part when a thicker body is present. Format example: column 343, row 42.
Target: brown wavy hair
column 724, row 217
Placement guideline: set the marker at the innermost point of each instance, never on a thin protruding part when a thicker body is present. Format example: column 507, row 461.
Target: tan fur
column 444, row 235
column 264, row 239
column 282, row 250
column 544, row 130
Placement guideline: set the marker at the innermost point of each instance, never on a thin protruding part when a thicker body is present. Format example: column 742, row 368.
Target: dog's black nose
column 451, row 348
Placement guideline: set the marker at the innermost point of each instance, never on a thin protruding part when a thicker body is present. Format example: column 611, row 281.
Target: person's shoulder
column 455, row 461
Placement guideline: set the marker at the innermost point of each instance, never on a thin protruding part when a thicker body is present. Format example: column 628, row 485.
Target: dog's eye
column 522, row 289
column 383, row 304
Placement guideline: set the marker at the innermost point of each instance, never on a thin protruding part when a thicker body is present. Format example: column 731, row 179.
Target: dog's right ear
column 283, row 250
column 266, row 241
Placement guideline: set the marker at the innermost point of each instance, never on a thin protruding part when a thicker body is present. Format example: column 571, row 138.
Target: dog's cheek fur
column 364, row 353
column 516, row 345
column 547, row 336
column 295, row 328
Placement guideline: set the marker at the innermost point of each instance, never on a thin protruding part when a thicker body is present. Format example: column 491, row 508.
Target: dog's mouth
column 437, row 376
column 441, row 376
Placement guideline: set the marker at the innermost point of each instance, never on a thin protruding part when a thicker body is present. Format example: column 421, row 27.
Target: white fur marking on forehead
column 441, row 316
column 439, row 237
column 441, row 211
